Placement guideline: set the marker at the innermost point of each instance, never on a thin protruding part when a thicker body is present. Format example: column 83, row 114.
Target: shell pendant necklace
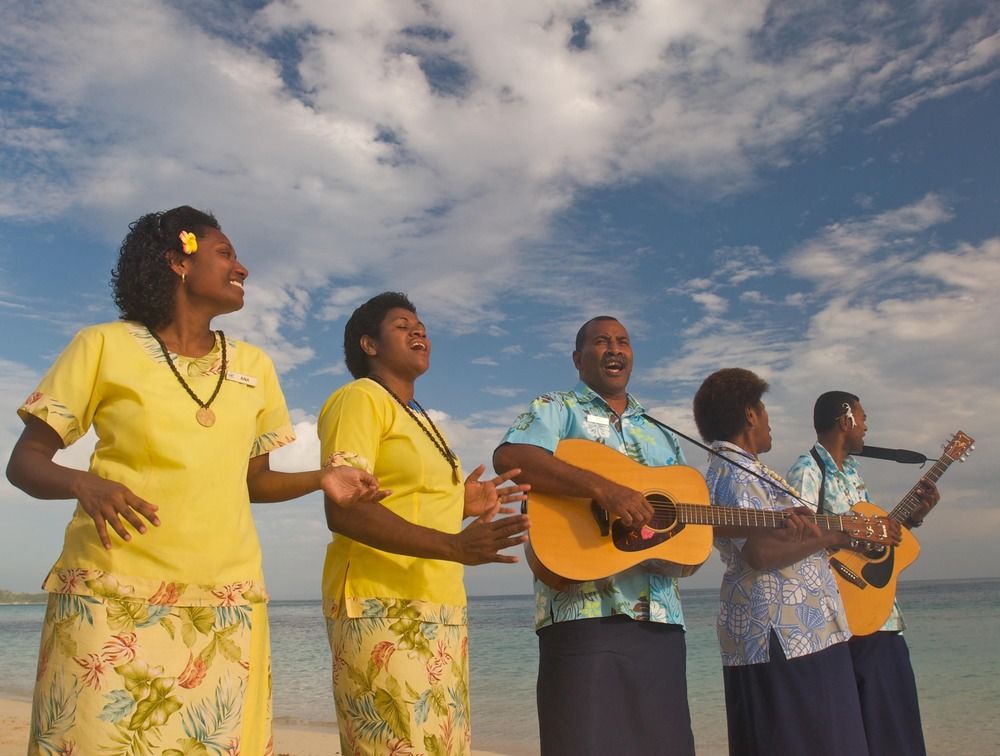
column 205, row 416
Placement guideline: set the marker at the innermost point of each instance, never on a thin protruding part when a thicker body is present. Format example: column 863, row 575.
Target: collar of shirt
column 588, row 395
column 850, row 464
column 746, row 462
column 721, row 446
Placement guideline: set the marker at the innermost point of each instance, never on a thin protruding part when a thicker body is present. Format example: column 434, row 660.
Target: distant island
column 10, row 597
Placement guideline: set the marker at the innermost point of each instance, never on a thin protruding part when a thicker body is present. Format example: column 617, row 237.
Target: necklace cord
column 177, row 374
column 770, row 481
column 439, row 442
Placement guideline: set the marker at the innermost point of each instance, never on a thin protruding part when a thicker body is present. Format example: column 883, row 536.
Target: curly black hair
column 722, row 400
column 142, row 281
column 367, row 321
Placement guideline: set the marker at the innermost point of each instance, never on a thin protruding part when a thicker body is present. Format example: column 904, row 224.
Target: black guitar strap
column 770, row 481
column 822, row 480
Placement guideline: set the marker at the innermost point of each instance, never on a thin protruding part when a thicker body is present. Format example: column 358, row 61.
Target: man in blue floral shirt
column 884, row 676
column 612, row 668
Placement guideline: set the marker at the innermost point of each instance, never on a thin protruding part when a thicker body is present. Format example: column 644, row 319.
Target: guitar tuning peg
column 972, row 447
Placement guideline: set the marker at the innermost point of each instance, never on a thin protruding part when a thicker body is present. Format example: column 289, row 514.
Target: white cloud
column 851, row 255
column 752, row 296
column 905, row 324
column 339, row 369
column 377, row 156
column 270, row 312
column 374, row 164
column 341, row 301
column 302, row 454
column 727, row 344
column 503, row 391
column 713, row 303
column 970, row 269
column 735, row 266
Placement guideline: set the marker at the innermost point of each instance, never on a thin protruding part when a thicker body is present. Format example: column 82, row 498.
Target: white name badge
column 246, row 380
column 598, row 427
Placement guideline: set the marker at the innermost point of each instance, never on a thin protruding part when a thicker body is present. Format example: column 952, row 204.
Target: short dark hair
column 830, row 407
column 367, row 321
column 582, row 333
column 142, row 281
column 722, row 400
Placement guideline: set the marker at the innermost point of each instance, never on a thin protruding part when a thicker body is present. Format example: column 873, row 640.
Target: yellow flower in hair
column 189, row 242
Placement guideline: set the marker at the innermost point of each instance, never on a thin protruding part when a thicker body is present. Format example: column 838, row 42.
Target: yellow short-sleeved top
column 205, row 551
column 362, row 419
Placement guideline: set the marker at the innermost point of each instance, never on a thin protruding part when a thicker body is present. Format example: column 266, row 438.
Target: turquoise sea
column 953, row 632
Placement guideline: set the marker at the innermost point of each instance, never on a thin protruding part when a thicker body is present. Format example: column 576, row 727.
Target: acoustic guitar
column 572, row 540
column 867, row 577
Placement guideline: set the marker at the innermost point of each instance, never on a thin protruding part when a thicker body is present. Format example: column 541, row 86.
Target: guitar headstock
column 959, row 447
column 871, row 530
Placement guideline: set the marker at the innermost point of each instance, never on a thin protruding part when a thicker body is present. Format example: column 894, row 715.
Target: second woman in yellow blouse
column 392, row 582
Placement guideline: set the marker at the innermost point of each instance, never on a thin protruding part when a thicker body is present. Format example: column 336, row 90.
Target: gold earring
column 184, row 277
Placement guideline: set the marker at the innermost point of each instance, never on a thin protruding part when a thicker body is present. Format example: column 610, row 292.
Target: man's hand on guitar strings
column 627, row 504
column 799, row 525
column 928, row 495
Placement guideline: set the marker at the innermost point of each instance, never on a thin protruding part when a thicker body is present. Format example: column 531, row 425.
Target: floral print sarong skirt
column 400, row 686
column 117, row 676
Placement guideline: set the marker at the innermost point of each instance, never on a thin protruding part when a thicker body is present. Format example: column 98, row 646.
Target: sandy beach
column 16, row 714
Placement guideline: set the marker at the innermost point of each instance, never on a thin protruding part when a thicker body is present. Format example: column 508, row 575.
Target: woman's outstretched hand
column 32, row 469
column 107, row 503
column 348, row 486
column 482, row 540
column 485, row 499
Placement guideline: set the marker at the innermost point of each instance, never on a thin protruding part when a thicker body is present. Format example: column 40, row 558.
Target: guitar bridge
column 847, row 573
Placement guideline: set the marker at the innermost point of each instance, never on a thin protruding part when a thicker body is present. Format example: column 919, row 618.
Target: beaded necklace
column 205, row 416
column 782, row 483
column 436, row 437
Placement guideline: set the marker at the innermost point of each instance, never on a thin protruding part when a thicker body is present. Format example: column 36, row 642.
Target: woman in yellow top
column 392, row 582
column 156, row 638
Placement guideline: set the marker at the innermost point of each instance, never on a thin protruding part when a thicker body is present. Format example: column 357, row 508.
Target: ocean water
column 953, row 629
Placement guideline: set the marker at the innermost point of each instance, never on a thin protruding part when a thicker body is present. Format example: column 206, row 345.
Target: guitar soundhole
column 662, row 527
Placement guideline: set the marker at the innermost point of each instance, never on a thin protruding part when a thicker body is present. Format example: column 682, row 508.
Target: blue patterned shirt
column 799, row 602
column 843, row 489
column 581, row 413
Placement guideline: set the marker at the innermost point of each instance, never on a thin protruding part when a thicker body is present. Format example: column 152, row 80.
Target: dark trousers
column 795, row 707
column 888, row 693
column 613, row 685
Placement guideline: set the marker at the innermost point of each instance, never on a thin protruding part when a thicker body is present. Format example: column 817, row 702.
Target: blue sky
column 807, row 190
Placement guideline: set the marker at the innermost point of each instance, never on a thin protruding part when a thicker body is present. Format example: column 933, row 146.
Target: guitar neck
column 911, row 502
column 696, row 514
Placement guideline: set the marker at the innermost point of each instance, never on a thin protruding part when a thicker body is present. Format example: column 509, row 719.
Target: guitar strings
column 773, row 483
column 693, row 508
